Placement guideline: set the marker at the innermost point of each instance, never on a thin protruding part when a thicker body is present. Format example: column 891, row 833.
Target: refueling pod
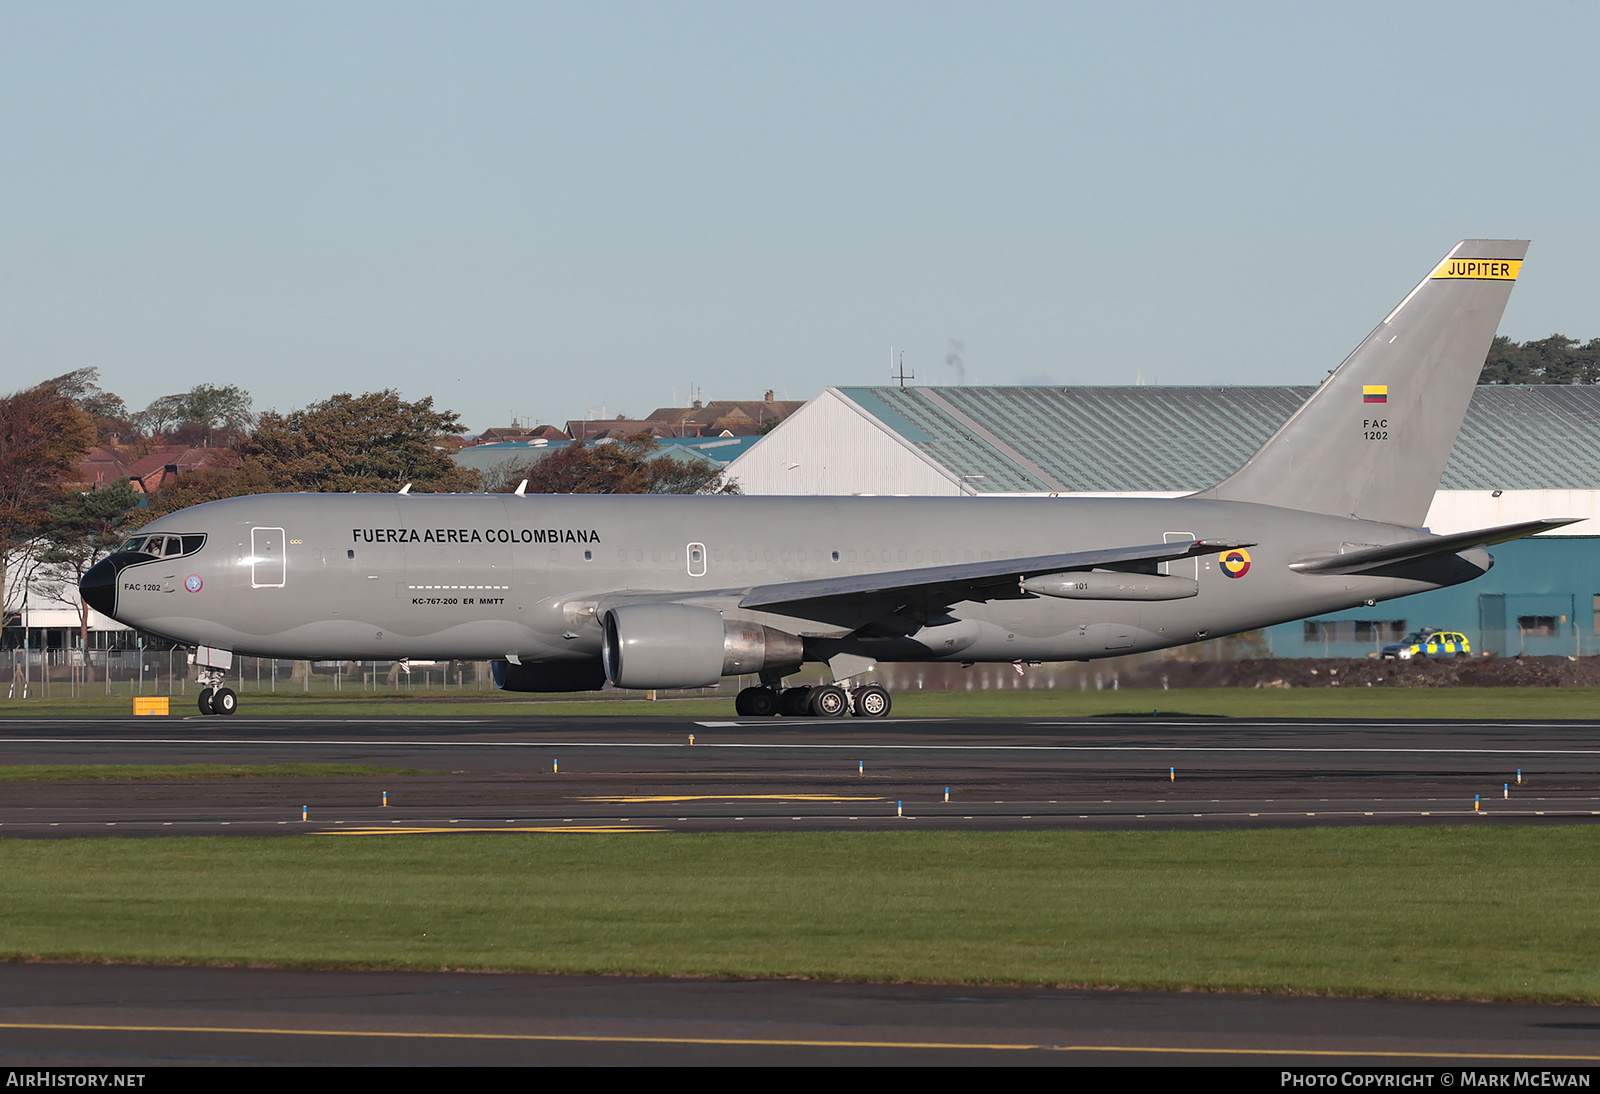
column 683, row 646
column 1111, row 585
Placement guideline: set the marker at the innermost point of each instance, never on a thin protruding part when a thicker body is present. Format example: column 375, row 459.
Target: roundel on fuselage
column 1236, row 563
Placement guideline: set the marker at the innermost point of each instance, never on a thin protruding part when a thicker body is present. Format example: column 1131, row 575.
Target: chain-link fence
column 62, row 673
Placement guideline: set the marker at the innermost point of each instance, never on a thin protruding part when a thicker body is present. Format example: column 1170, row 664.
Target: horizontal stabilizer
column 969, row 580
column 1370, row 558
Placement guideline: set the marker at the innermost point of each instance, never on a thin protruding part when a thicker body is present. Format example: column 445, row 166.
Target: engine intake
column 682, row 646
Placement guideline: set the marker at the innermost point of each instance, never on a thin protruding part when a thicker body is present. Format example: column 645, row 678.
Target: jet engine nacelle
column 682, row 646
column 1100, row 585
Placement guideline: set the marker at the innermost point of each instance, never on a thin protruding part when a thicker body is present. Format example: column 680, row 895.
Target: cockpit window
column 164, row 546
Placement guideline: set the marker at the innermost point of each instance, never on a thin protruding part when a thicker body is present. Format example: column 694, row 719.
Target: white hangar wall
column 832, row 446
column 1464, row 510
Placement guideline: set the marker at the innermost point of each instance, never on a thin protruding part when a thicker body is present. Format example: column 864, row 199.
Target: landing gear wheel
column 224, row 701
column 829, row 701
column 756, row 703
column 872, row 702
column 205, row 702
column 795, row 702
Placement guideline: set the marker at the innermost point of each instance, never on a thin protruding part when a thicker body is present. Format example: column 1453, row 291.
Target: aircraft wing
column 973, row 580
column 1371, row 558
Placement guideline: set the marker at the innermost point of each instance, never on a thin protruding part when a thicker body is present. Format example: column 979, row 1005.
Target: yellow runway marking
column 400, row 830
column 734, row 798
column 795, row 1042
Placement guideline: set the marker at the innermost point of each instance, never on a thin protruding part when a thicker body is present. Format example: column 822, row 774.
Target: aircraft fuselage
column 475, row 577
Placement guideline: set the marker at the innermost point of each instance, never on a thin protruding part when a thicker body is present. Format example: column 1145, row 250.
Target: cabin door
column 267, row 566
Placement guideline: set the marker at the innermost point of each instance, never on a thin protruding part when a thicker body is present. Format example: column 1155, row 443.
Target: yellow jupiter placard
column 1478, row 269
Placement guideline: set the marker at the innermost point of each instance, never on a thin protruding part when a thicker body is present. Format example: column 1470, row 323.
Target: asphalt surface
column 630, row 773
column 134, row 1018
column 644, row 773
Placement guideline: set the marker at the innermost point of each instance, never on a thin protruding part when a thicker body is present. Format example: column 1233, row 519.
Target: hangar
column 1523, row 452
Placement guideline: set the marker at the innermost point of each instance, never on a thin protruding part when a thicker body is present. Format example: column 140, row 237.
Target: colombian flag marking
column 1236, row 563
column 1375, row 393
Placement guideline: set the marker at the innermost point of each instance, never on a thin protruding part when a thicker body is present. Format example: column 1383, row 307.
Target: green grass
column 1383, row 703
column 1492, row 912
column 38, row 773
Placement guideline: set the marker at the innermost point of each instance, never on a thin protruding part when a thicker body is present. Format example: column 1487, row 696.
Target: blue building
column 1542, row 597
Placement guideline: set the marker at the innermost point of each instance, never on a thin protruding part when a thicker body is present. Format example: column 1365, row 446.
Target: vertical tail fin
column 1372, row 441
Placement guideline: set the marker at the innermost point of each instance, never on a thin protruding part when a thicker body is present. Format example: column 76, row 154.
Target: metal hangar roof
column 1162, row 439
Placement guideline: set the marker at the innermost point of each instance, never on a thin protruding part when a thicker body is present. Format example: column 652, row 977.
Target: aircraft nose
column 99, row 587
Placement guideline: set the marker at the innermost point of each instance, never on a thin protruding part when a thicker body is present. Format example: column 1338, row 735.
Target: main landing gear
column 821, row 701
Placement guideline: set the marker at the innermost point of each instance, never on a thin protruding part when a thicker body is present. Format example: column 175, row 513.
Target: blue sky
column 550, row 210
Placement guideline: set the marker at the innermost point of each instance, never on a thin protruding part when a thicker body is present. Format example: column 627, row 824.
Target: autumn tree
column 43, row 436
column 106, row 410
column 632, row 466
column 229, row 478
column 368, row 443
column 76, row 532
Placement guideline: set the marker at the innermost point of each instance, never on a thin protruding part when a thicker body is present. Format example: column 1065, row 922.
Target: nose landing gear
column 215, row 699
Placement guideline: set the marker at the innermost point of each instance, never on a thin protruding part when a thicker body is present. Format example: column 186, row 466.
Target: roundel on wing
column 193, row 583
column 1236, row 563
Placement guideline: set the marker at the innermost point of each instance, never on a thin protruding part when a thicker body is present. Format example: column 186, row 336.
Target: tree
column 107, row 411
column 205, row 405
column 43, row 435
column 77, row 531
column 631, row 466
column 374, row 442
column 1553, row 360
column 230, row 478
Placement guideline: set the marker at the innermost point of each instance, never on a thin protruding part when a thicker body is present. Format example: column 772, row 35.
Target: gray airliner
column 567, row 592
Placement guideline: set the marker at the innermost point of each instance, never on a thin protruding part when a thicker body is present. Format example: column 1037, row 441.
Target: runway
column 132, row 1018
column 696, row 775
column 643, row 774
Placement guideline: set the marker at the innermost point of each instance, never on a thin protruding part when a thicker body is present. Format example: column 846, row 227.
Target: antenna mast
column 902, row 375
